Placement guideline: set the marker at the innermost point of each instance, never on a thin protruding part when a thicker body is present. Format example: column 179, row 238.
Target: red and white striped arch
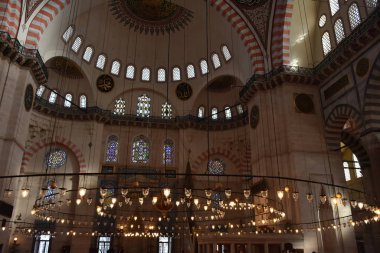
column 43, row 143
column 280, row 40
column 246, row 34
column 42, row 20
column 10, row 16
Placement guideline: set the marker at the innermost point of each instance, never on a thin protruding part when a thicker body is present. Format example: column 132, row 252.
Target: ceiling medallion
column 151, row 16
column 105, row 83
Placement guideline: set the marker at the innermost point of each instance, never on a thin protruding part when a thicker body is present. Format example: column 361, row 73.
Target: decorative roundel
column 255, row 116
column 105, row 83
column 304, row 103
column 362, row 67
column 184, row 91
column 28, row 97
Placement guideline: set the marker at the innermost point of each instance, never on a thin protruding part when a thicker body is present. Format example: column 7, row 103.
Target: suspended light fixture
column 280, row 194
column 141, row 201
column 82, row 192
column 154, row 200
column 296, row 195
column 353, row 203
column 228, row 192
column 113, row 200
column 264, row 193
column 25, row 192
column 166, row 191
column 102, row 192
column 89, row 201
column 187, row 193
column 309, row 197
column 208, row 193
column 124, row 191
column 78, row 201
column 247, row 193
column 323, row 198
column 360, row 205
column 8, row 193
column 62, row 191
column 145, row 192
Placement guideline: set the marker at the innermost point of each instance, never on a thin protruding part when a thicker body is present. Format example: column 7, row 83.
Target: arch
column 280, row 41
column 371, row 109
column 247, row 33
column 354, row 144
column 335, row 122
column 36, row 146
column 42, row 20
column 10, row 16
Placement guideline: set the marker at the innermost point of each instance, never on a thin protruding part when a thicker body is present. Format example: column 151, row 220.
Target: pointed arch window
column 204, row 67
column 115, row 68
column 190, row 71
column 140, row 149
column 354, row 16
column 83, row 101
column 87, row 55
column 334, row 6
column 166, row 111
column 201, row 112
column 226, row 53
column 346, row 169
column 143, row 106
column 68, row 34
column 228, row 112
column 176, row 74
column 112, row 149
column 339, row 30
column 161, row 75
column 130, row 72
column 53, row 97
column 119, row 108
column 214, row 113
column 77, row 44
column 167, row 156
column 40, row 91
column 68, row 99
column 216, row 61
column 101, row 62
column 326, row 43
column 145, row 74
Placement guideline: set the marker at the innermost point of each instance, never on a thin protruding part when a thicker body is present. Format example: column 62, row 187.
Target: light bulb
column 78, row 201
column 280, row 194
column 264, row 193
column 82, row 192
column 141, row 201
column 309, row 197
column 228, row 192
column 112, row 205
column 271, row 209
column 25, row 192
column 205, row 207
column 360, row 205
column 247, row 193
column 196, row 202
column 33, row 212
column 114, row 200
column 154, row 200
column 334, row 200
column 145, row 192
column 177, row 203
column 166, row 192
column 287, row 189
column 208, row 193
column 98, row 209
column 187, row 193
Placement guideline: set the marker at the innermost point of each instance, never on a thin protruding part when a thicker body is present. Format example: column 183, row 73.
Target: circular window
column 56, row 158
column 322, row 20
column 216, row 167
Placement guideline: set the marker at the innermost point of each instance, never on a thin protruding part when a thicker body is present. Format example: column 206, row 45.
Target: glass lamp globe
column 280, row 194
column 25, row 192
column 166, row 191
column 82, row 191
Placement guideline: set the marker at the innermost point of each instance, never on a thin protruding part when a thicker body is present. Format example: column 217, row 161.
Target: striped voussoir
column 280, row 43
column 10, row 14
column 356, row 147
column 42, row 20
column 372, row 100
column 43, row 143
column 335, row 122
column 246, row 35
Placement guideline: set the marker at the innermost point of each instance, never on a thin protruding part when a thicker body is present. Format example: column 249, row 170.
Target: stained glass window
column 167, row 156
column 216, row 167
column 87, row 55
column 55, row 158
column 190, row 71
column 68, row 99
column 115, row 68
column 201, row 112
column 161, row 75
column 77, row 44
column 145, row 74
column 68, row 33
column 119, row 107
column 140, row 150
column 354, row 16
column 228, row 112
column 204, row 67
column 112, row 149
column 143, row 106
column 339, row 30
column 326, row 43
column 216, row 61
column 53, row 97
column 40, row 91
column 166, row 111
column 130, row 72
column 226, row 53
column 101, row 61
column 83, row 101
column 214, row 113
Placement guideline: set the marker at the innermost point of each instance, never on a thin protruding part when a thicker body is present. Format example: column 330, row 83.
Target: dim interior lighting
column 82, row 191
column 25, row 192
column 166, row 191
column 280, row 194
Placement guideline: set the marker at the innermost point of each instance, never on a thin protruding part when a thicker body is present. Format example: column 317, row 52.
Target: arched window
column 190, row 71
column 176, row 74
column 68, row 99
column 322, row 21
column 77, row 44
column 115, row 68
column 358, row 170
column 346, row 168
column 339, row 30
column 145, row 74
column 55, row 158
column 101, row 61
column 40, row 91
column 42, row 243
column 167, row 155
column 112, row 149
column 214, row 113
column 161, row 75
column 119, row 107
column 216, row 167
column 226, row 53
column 68, row 34
column 140, row 149
column 326, row 43
column 166, row 111
column 216, row 61
column 130, row 72
column 87, row 55
column 334, row 6
column 227, row 111
column 371, row 3
column 201, row 112
column 83, row 101
column 53, row 97
column 239, row 109
column 354, row 16
column 143, row 106
column 204, row 67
